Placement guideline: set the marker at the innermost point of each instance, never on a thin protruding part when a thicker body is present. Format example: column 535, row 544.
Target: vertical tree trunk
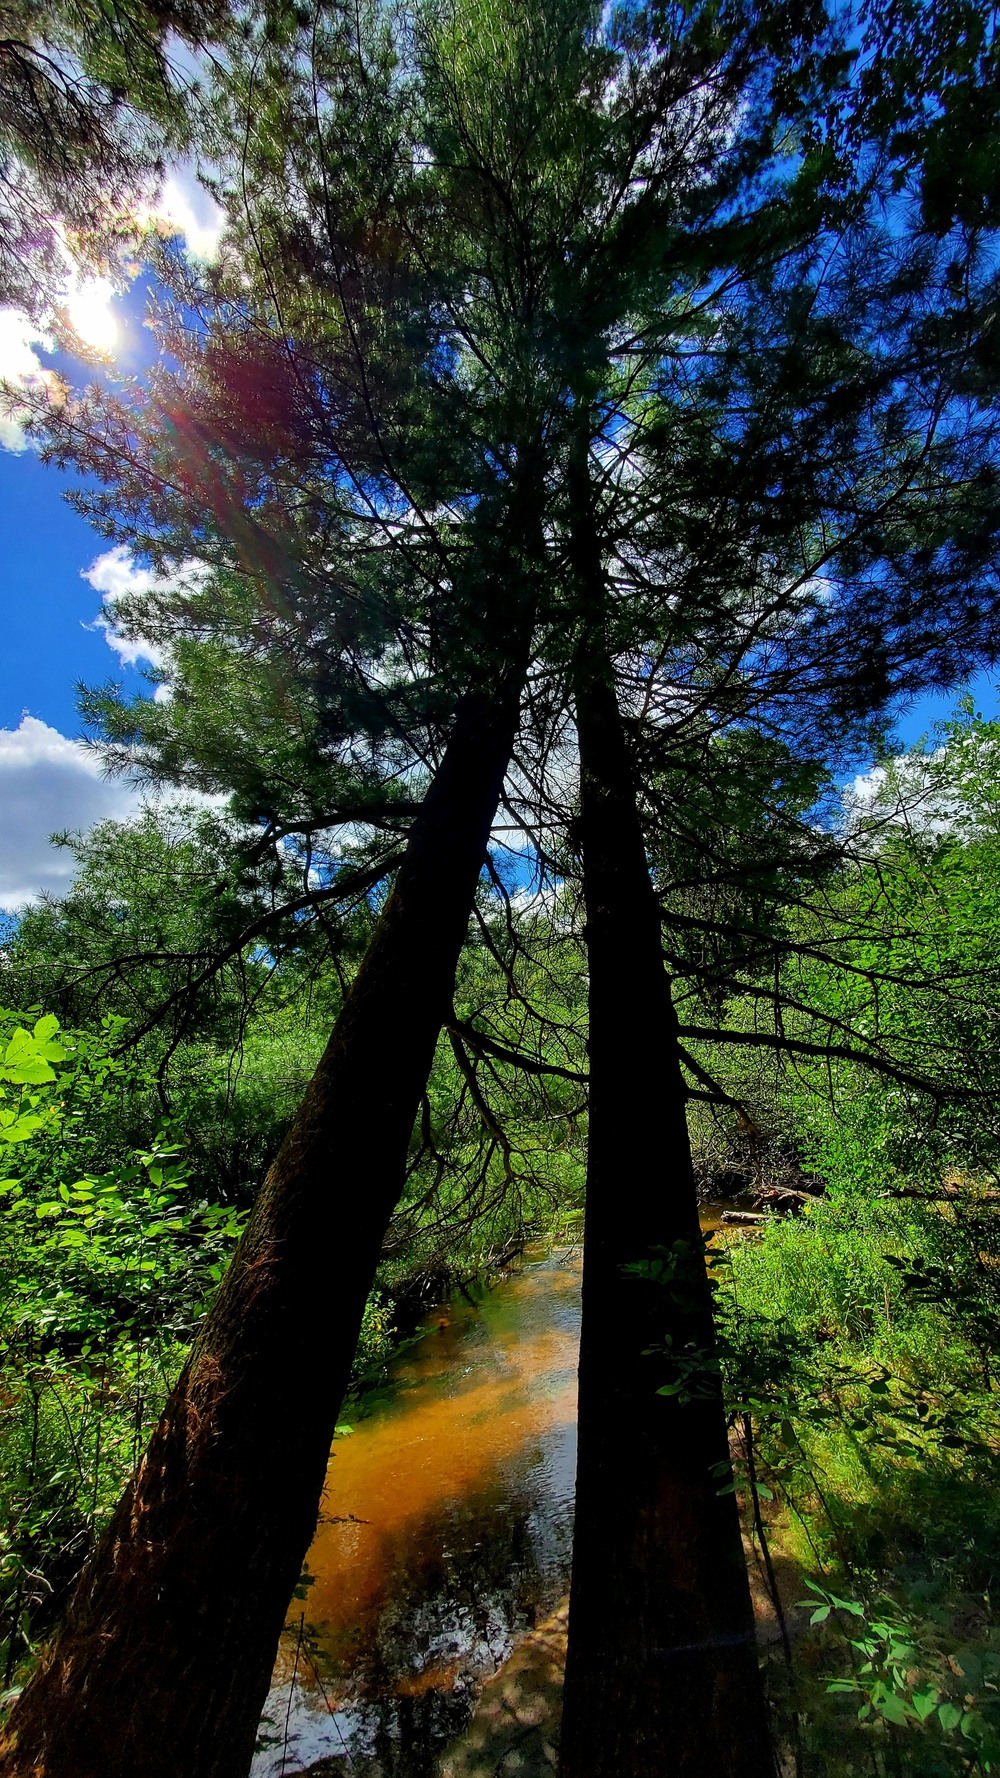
column 163, row 1664
column 662, row 1675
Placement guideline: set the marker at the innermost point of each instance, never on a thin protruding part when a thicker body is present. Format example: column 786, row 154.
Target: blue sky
column 47, row 607
column 917, row 721
column 49, row 638
column 48, row 781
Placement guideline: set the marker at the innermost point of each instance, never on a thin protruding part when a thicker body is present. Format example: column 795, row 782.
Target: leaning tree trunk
column 662, row 1674
column 162, row 1666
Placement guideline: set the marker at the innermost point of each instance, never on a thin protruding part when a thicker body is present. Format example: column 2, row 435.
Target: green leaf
column 26, row 1071
column 949, row 1716
column 20, row 1129
column 893, row 1708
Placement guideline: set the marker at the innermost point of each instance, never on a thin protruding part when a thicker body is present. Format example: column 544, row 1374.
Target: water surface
column 444, row 1537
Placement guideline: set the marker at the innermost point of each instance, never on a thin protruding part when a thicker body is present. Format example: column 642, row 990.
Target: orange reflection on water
column 478, row 1389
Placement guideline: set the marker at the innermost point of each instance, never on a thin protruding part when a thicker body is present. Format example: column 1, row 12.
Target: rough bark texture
column 662, row 1675
column 163, row 1664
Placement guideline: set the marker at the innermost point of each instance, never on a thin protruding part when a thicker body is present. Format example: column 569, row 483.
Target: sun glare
column 88, row 307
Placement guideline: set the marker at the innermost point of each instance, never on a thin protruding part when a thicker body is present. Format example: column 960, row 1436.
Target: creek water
column 444, row 1536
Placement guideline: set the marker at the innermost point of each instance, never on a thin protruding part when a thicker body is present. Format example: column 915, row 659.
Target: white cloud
column 912, row 790
column 184, row 207
column 48, row 783
column 115, row 576
column 21, row 367
column 866, row 789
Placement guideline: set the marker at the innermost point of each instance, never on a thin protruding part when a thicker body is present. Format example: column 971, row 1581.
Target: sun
column 90, row 314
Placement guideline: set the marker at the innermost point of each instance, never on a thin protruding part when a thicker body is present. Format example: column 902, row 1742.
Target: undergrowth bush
column 859, row 1344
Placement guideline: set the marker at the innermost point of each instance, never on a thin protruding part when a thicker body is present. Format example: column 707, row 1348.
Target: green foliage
column 27, row 1064
column 916, row 920
column 107, row 1261
column 109, row 1254
column 874, row 1426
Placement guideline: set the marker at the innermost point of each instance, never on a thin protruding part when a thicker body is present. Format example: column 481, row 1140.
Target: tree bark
column 162, row 1666
column 662, row 1674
